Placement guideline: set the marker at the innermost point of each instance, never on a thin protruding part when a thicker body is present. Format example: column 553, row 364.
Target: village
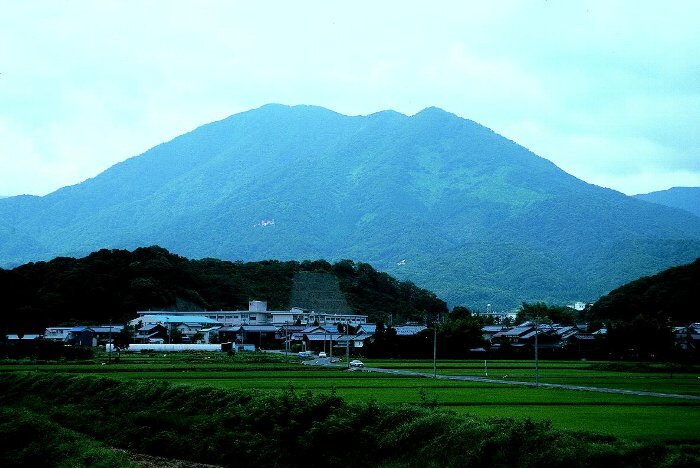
column 310, row 332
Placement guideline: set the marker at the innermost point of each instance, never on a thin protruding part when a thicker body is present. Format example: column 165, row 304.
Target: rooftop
column 170, row 318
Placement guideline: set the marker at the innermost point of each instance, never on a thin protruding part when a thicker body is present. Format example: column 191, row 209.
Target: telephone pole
column 111, row 344
column 347, row 341
column 435, row 350
column 537, row 366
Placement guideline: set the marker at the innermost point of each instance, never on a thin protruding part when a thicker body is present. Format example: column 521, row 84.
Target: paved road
column 620, row 391
column 327, row 361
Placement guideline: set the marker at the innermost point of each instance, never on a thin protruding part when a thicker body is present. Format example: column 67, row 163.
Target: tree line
column 111, row 285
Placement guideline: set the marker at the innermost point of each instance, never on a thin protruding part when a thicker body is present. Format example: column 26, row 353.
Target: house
column 581, row 343
column 151, row 333
column 286, row 332
column 81, row 336
column 173, row 319
column 210, row 334
column 524, row 336
column 564, row 333
column 319, row 341
column 106, row 333
column 262, row 335
column 187, row 325
column 366, row 329
column 314, row 330
column 228, row 334
column 687, row 338
column 188, row 330
column 356, row 341
column 409, row 330
column 56, row 333
column 24, row 337
column 488, row 331
column 512, row 335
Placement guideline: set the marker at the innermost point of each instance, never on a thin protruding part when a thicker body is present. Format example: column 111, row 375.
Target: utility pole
column 537, row 367
column 286, row 342
column 347, row 341
column 435, row 350
column 111, row 344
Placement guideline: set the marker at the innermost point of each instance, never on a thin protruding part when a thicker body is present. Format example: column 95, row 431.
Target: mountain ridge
column 684, row 198
column 434, row 198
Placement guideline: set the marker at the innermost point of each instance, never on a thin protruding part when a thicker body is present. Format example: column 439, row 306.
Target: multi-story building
column 257, row 314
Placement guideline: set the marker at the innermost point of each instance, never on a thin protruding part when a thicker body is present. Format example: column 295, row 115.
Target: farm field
column 635, row 417
column 641, row 377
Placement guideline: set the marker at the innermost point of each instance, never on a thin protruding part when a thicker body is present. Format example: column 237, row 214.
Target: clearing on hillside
column 318, row 291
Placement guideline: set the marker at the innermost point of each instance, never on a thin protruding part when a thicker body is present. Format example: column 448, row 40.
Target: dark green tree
column 542, row 312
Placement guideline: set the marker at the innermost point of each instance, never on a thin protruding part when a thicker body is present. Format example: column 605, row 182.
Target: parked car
column 357, row 363
column 322, row 354
column 304, row 354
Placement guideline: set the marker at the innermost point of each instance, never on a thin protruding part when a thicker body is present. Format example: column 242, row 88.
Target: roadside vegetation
column 31, row 438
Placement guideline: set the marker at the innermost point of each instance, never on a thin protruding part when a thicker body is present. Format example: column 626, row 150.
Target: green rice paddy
column 666, row 420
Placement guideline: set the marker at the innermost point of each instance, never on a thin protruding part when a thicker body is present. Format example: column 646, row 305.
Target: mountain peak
column 435, row 111
column 433, row 198
column 283, row 110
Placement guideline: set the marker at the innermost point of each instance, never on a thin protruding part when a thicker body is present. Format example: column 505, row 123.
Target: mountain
column 685, row 198
column 433, row 198
column 114, row 284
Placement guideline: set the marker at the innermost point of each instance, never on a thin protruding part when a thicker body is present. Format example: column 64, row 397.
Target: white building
column 56, row 333
column 257, row 314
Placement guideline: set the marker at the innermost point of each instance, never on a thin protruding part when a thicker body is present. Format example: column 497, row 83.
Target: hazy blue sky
column 609, row 91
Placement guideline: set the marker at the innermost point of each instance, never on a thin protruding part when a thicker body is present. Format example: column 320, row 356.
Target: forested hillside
column 685, row 198
column 432, row 198
column 641, row 314
column 114, row 284
column 673, row 294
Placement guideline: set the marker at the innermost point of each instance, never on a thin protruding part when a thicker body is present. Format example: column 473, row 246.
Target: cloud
column 607, row 90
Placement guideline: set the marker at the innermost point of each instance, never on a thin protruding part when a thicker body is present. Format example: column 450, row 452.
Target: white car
column 322, row 354
column 356, row 363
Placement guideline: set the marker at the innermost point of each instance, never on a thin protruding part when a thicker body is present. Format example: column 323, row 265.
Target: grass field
column 636, row 417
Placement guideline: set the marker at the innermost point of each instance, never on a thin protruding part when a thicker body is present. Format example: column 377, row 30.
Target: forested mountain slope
column 670, row 296
column 114, row 284
column 433, row 198
column 685, row 198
